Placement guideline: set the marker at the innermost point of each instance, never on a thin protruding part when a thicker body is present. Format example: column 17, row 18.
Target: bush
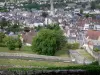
column 82, row 48
column 73, row 46
column 96, row 49
column 11, row 43
column 2, row 35
column 95, row 63
column 18, row 43
column 2, row 45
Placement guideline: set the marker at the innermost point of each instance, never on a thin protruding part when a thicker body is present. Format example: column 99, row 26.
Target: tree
column 26, row 29
column 32, row 5
column 2, row 35
column 96, row 49
column 47, row 42
column 53, row 27
column 11, row 43
column 75, row 45
column 4, row 23
column 16, row 27
column 81, row 11
column 44, row 14
column 18, row 43
column 93, row 5
column 72, row 46
column 87, row 15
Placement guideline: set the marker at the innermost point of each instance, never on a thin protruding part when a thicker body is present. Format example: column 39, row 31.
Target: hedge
column 82, row 67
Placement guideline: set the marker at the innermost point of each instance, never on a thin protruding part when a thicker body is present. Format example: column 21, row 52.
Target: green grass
column 62, row 53
column 34, row 63
column 25, row 49
column 85, row 54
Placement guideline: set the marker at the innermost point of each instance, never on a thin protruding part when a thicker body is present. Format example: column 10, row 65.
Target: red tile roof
column 82, row 21
column 92, row 34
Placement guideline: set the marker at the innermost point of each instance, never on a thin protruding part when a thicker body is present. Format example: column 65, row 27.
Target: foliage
column 73, row 46
column 38, row 28
column 93, row 5
column 95, row 63
column 89, row 68
column 87, row 15
column 2, row 45
column 18, row 43
column 2, row 35
column 32, row 5
column 53, row 27
column 11, row 43
column 4, row 23
column 44, row 14
column 81, row 11
column 47, row 42
column 16, row 27
column 2, row 9
column 26, row 29
column 96, row 49
column 5, row 40
column 7, row 26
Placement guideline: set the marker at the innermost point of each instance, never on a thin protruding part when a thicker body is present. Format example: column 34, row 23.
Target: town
column 52, row 32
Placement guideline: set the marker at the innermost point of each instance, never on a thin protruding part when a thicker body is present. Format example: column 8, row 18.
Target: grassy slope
column 25, row 49
column 34, row 63
column 85, row 54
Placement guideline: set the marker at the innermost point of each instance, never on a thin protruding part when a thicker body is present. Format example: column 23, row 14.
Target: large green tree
column 4, row 23
column 47, row 42
column 93, row 5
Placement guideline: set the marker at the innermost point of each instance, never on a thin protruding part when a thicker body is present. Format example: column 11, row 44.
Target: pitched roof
column 27, row 37
column 92, row 34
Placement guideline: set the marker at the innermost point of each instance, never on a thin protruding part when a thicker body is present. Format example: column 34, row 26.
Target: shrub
column 73, row 46
column 96, row 49
column 18, row 43
column 2, row 35
column 95, row 63
column 2, row 45
column 11, row 43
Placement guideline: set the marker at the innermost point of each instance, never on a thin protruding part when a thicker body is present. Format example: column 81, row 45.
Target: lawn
column 34, row 63
column 85, row 54
column 62, row 53
column 25, row 49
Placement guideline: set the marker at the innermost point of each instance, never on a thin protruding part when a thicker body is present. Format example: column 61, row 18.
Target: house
column 27, row 37
column 88, row 23
column 93, row 35
column 93, row 41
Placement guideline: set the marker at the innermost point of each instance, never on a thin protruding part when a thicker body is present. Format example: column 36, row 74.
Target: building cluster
column 76, row 27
